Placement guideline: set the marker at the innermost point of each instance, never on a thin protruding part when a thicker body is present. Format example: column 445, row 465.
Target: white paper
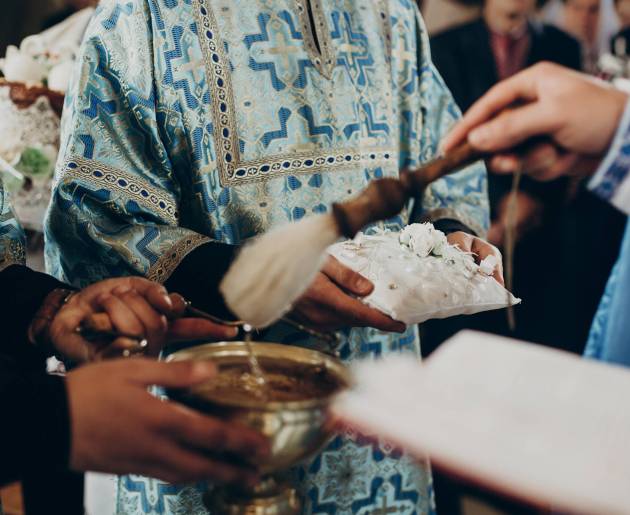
column 538, row 424
column 100, row 494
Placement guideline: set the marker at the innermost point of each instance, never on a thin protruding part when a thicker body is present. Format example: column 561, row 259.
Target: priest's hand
column 118, row 427
column 575, row 114
column 135, row 307
column 480, row 249
column 331, row 302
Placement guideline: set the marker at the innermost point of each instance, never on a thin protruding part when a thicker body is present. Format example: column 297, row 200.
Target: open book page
column 537, row 424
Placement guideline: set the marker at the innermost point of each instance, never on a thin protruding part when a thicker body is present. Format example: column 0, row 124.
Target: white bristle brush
column 275, row 269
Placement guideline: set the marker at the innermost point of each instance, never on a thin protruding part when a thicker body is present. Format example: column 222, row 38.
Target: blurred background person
column 502, row 41
column 622, row 8
column 443, row 14
column 582, row 19
column 592, row 22
column 620, row 42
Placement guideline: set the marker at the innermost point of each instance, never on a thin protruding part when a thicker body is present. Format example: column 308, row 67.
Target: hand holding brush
column 271, row 273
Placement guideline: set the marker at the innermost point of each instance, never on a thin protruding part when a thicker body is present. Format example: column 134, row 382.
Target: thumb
column 346, row 278
column 182, row 374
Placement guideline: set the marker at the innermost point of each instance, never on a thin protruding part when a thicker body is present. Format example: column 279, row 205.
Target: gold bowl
column 296, row 429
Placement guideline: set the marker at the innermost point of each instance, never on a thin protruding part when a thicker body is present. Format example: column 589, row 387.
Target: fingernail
column 168, row 300
column 504, row 164
column 119, row 290
column 203, row 369
column 363, row 285
column 231, row 332
column 401, row 328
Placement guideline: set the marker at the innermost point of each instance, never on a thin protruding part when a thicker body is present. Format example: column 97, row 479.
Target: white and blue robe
column 193, row 125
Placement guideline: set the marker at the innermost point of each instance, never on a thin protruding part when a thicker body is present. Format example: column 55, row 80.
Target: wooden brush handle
column 461, row 156
column 382, row 199
column 385, row 198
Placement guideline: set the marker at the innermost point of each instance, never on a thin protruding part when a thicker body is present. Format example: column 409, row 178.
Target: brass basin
column 296, row 430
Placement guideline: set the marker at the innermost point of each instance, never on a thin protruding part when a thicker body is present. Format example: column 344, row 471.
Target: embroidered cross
column 283, row 49
column 384, row 509
column 402, row 53
column 351, row 50
column 193, row 65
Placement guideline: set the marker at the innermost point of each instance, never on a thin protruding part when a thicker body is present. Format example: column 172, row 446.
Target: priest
column 195, row 125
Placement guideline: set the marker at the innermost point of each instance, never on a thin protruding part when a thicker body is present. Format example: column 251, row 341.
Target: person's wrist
column 619, row 103
column 39, row 330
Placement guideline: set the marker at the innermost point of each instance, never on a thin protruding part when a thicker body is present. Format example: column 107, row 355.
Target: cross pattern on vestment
column 384, row 509
column 283, row 49
column 402, row 53
column 352, row 51
column 193, row 65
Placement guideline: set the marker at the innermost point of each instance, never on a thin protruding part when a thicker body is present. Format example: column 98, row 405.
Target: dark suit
column 464, row 58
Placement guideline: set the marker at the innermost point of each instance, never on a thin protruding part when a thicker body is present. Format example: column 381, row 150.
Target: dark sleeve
column 23, row 292
column 448, row 226
column 35, row 431
column 199, row 274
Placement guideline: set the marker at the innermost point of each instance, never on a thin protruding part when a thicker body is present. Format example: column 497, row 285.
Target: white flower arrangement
column 46, row 59
column 35, row 79
column 33, row 65
column 423, row 240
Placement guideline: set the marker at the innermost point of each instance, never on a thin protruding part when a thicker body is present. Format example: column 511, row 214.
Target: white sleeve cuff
column 611, row 182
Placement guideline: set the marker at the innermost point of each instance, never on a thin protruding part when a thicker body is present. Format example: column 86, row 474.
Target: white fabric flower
column 22, row 67
column 488, row 265
column 33, row 46
column 440, row 243
column 59, row 76
column 423, row 239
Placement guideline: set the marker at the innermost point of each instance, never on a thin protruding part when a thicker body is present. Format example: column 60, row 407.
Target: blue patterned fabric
column 610, row 333
column 192, row 120
column 12, row 238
